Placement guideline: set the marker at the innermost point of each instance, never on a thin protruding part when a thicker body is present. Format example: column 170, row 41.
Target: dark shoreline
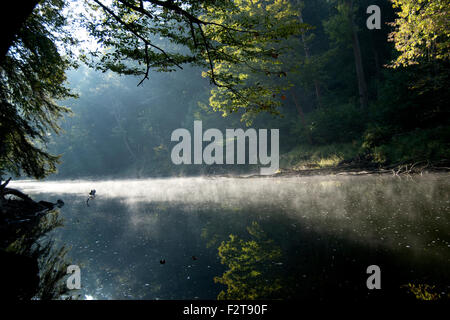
column 343, row 169
column 417, row 168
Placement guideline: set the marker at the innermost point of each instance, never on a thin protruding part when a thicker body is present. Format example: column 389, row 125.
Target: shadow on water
column 32, row 266
column 288, row 238
column 317, row 267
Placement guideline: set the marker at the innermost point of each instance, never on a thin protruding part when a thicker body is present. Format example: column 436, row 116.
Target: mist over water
column 315, row 236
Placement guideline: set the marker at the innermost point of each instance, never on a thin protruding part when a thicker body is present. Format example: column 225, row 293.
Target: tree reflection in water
column 251, row 264
column 307, row 239
column 32, row 268
column 331, row 269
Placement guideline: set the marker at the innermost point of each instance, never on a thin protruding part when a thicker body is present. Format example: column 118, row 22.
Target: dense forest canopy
column 337, row 90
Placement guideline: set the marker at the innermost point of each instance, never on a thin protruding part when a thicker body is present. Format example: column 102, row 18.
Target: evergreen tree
column 32, row 77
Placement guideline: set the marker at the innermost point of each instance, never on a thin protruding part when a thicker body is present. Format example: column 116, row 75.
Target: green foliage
column 417, row 145
column 421, row 31
column 252, row 74
column 408, row 115
column 232, row 40
column 338, row 27
column 409, row 121
column 307, row 156
column 423, row 291
column 250, row 275
column 375, row 136
column 336, row 124
column 32, row 77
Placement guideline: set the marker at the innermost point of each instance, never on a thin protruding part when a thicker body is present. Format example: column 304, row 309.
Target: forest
column 338, row 91
column 94, row 89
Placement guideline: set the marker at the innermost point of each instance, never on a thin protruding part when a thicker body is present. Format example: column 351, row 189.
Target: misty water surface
column 287, row 237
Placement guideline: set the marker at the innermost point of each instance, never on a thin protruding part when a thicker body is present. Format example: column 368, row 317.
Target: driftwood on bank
column 358, row 168
column 367, row 168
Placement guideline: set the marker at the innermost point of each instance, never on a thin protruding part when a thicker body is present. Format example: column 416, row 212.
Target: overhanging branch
column 134, row 32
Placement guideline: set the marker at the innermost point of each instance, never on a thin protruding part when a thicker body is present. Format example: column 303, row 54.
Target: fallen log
column 17, row 193
column 20, row 208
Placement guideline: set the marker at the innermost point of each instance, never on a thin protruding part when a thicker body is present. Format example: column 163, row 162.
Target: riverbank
column 359, row 169
column 363, row 168
column 34, row 268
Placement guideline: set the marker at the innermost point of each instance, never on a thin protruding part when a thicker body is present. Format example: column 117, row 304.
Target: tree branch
column 147, row 62
column 170, row 6
column 146, row 42
column 3, row 186
column 18, row 194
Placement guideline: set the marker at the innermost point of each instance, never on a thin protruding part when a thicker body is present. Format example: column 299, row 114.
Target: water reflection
column 255, row 238
column 253, row 267
column 32, row 266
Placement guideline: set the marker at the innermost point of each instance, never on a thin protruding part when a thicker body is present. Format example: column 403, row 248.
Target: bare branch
column 147, row 61
column 193, row 33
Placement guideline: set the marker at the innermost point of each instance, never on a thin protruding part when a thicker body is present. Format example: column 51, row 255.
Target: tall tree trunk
column 362, row 86
column 376, row 58
column 301, row 114
column 307, row 55
column 12, row 17
column 124, row 136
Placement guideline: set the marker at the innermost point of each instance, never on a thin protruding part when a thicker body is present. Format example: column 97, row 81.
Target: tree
column 254, row 75
column 201, row 33
column 252, row 274
column 362, row 85
column 216, row 35
column 343, row 30
column 32, row 77
column 10, row 27
column 421, row 31
column 308, row 54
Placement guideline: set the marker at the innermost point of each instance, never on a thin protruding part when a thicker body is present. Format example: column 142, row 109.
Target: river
column 254, row 238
